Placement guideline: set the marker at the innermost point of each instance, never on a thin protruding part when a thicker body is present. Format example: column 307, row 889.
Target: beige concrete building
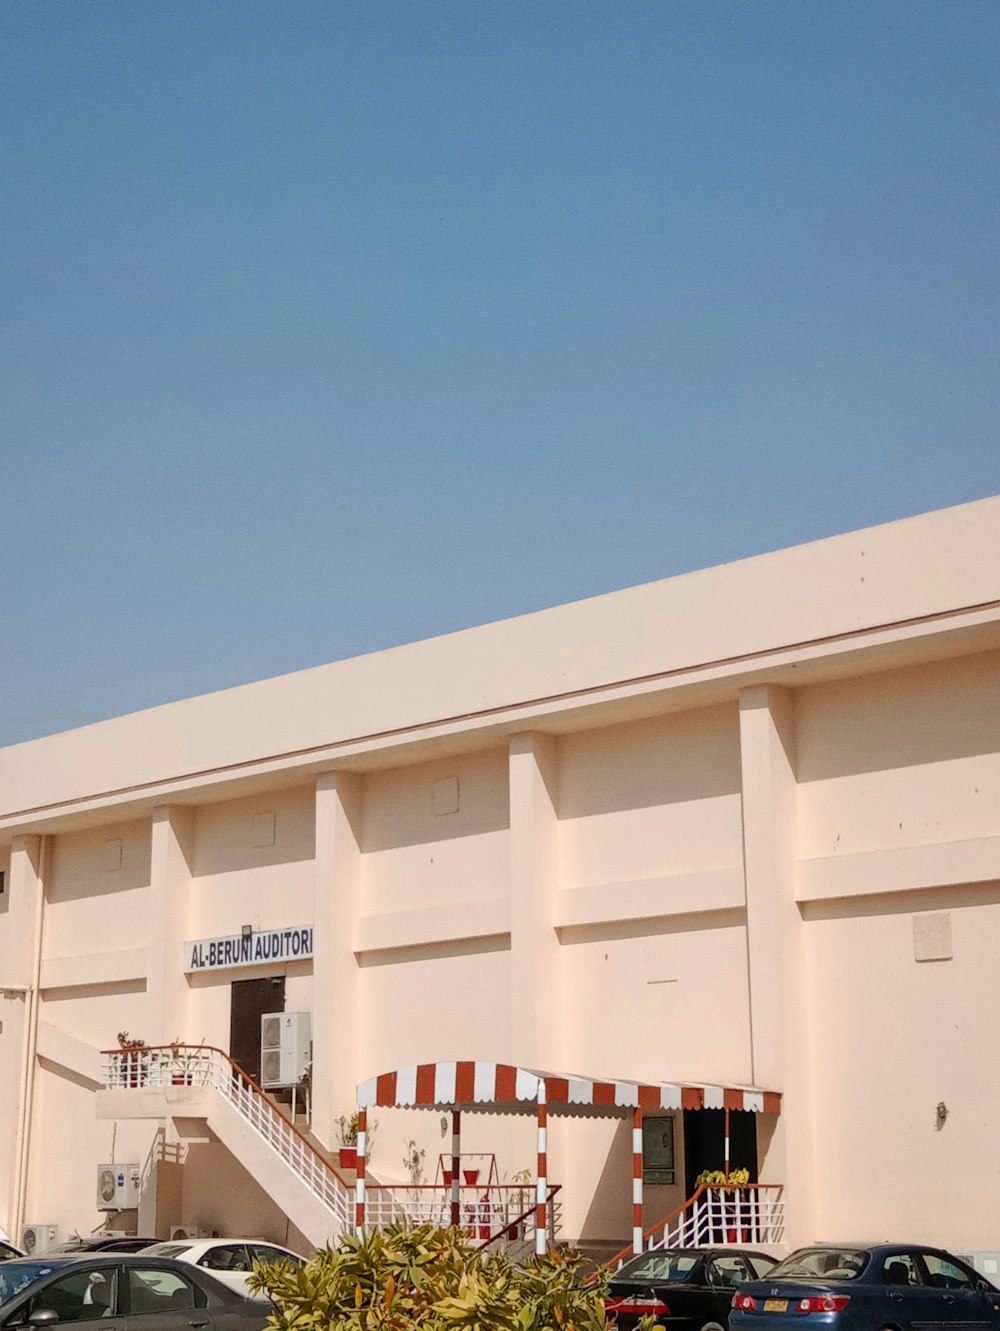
column 736, row 829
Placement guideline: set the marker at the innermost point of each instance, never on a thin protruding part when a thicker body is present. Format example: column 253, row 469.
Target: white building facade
column 735, row 829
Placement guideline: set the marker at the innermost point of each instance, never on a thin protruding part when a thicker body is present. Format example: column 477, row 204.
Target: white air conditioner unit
column 187, row 1232
column 284, row 1048
column 118, row 1187
column 38, row 1236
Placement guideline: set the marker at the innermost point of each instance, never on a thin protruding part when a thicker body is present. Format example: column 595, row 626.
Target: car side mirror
column 43, row 1317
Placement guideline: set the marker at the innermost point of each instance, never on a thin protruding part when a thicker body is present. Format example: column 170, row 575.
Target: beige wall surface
column 896, row 1037
column 435, row 834
column 928, row 565
column 905, row 758
column 257, row 856
column 781, row 879
column 652, row 798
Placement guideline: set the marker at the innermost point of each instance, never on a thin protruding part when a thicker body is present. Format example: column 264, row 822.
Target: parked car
column 685, row 1287
column 229, row 1260
column 145, row 1293
column 862, row 1288
column 8, row 1251
column 99, row 1243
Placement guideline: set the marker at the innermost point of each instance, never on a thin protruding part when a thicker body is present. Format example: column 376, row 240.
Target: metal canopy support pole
column 456, row 1161
column 359, row 1183
column 727, row 1144
column 637, row 1180
column 542, row 1183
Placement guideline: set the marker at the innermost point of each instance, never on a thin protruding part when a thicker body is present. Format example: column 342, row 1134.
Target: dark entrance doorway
column 705, row 1142
column 250, row 1000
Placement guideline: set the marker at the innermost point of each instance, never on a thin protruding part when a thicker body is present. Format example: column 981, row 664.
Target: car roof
column 880, row 1245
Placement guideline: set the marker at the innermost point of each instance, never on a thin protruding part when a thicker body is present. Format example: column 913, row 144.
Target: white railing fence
column 485, row 1213
column 188, row 1065
column 501, row 1214
column 717, row 1216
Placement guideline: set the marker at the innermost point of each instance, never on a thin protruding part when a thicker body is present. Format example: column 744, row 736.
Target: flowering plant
column 716, row 1178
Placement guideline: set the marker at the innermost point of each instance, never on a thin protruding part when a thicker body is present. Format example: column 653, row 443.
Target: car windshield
column 15, row 1276
column 166, row 1249
column 820, row 1264
column 660, row 1265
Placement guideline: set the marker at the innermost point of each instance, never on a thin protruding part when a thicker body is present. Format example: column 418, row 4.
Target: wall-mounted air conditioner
column 284, row 1048
column 38, row 1236
column 117, row 1187
column 178, row 1232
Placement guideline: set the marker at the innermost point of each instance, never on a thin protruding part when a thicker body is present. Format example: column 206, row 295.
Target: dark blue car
column 890, row 1286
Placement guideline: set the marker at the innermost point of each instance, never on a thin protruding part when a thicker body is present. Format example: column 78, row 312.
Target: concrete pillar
column 336, row 977
column 534, row 947
column 167, row 989
column 21, row 949
column 775, row 943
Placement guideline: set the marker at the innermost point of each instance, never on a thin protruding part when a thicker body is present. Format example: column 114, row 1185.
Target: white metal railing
column 717, row 1216
column 190, row 1065
column 501, row 1213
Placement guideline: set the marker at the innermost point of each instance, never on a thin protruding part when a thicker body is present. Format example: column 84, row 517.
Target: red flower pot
column 471, row 1176
column 348, row 1157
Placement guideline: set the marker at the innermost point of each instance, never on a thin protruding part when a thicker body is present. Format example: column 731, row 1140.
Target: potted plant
column 180, row 1070
column 135, row 1060
column 348, row 1141
column 728, row 1224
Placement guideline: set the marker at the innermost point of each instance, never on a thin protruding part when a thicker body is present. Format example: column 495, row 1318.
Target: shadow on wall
column 452, row 947
column 903, row 718
column 609, row 1215
column 667, row 760
column 654, row 926
column 414, row 806
column 97, row 864
column 902, row 903
column 235, row 836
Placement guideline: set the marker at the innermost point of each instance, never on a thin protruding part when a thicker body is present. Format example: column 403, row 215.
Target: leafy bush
column 402, row 1278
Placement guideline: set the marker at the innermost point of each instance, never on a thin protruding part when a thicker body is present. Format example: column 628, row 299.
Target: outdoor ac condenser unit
column 187, row 1232
column 117, row 1187
column 284, row 1048
column 38, row 1236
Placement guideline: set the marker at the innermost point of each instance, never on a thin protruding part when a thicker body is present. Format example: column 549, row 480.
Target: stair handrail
column 661, row 1225
column 525, row 1216
column 137, row 1067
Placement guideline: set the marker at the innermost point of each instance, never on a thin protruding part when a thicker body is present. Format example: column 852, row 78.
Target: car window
column 263, row 1252
column 153, row 1290
column 19, row 1275
column 226, row 1257
column 760, row 1265
column 7, row 1253
column 660, row 1265
column 945, row 1274
column 727, row 1272
column 167, row 1249
column 901, row 1268
column 80, row 1296
column 821, row 1263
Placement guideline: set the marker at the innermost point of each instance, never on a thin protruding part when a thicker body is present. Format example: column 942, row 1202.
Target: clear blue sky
column 328, row 326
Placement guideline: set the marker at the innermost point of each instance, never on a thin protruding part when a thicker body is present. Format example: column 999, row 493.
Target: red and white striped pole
column 456, row 1161
column 359, row 1182
column 637, row 1180
column 727, row 1145
column 542, row 1182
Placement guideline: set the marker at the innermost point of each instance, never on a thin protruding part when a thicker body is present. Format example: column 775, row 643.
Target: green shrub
column 402, row 1278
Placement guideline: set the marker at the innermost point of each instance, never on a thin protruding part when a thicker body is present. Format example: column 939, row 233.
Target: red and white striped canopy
column 510, row 1089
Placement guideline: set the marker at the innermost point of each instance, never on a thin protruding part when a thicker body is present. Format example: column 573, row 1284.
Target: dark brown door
column 705, row 1142
column 251, row 999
